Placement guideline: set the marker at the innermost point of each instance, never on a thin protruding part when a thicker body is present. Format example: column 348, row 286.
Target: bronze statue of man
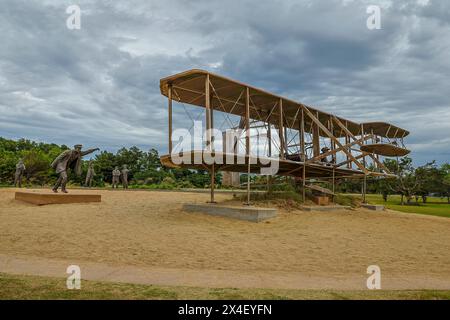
column 324, row 150
column 115, row 177
column 68, row 159
column 20, row 169
column 89, row 175
column 125, row 172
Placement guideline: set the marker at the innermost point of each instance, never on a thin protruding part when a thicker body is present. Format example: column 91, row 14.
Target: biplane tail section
column 388, row 141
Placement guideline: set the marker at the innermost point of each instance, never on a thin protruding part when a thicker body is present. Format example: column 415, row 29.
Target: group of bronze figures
column 117, row 175
column 71, row 159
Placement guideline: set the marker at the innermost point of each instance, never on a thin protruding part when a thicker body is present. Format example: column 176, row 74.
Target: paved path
column 27, row 265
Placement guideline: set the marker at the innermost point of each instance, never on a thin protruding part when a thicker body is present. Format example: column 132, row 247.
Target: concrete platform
column 42, row 198
column 375, row 207
column 253, row 214
column 324, row 208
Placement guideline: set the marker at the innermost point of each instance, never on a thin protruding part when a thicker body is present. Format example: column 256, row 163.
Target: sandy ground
column 148, row 229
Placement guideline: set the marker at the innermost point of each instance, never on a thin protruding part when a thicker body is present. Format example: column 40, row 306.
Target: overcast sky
column 99, row 85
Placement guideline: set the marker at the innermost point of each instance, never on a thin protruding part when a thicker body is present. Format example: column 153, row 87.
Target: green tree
column 105, row 163
column 37, row 165
column 428, row 178
column 445, row 182
column 406, row 183
column 37, row 158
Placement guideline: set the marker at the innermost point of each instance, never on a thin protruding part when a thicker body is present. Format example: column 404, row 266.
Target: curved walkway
column 27, row 265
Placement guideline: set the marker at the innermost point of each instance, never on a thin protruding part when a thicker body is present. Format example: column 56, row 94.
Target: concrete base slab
column 253, row 214
column 324, row 208
column 375, row 207
column 42, row 198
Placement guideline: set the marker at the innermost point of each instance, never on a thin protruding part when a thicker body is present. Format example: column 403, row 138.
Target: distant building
column 230, row 179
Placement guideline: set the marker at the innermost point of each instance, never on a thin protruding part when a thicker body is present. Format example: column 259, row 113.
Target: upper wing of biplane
column 227, row 95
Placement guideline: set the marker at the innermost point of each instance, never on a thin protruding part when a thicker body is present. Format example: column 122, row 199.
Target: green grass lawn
column 434, row 206
column 32, row 287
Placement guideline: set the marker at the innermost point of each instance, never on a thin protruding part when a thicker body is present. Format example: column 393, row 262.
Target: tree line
column 412, row 183
column 146, row 171
column 145, row 167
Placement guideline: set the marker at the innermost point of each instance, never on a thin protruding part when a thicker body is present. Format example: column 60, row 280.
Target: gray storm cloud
column 100, row 85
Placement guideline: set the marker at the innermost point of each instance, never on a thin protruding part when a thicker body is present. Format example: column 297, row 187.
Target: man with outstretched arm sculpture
column 68, row 159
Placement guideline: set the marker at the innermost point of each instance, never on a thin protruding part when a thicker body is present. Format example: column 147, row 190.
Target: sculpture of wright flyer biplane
column 307, row 143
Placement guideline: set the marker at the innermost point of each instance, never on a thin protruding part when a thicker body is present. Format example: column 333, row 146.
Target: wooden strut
column 330, row 135
column 269, row 139
column 315, row 137
column 290, row 126
column 333, row 145
column 303, row 151
column 169, row 96
column 365, row 175
column 190, row 101
column 269, row 130
column 247, row 140
column 209, row 126
column 347, row 140
column 201, row 93
column 333, row 152
column 221, row 105
column 237, row 102
column 364, row 184
column 379, row 163
column 348, row 161
column 269, row 136
column 187, row 113
column 280, row 129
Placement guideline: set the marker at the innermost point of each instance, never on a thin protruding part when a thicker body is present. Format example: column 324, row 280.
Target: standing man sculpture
column 68, row 159
column 115, row 177
column 20, row 169
column 89, row 175
column 125, row 176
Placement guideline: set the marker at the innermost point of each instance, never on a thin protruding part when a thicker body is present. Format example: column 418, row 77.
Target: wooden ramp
column 320, row 189
column 43, row 198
